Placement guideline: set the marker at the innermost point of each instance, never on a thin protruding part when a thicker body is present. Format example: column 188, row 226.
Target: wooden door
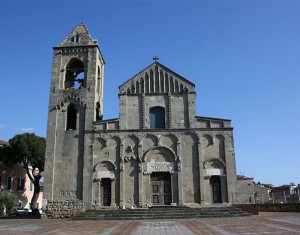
column 161, row 188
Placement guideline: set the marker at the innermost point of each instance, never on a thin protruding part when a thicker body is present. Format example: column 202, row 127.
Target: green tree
column 7, row 201
column 30, row 150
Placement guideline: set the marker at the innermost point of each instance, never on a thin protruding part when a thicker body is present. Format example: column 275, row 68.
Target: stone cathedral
column 157, row 152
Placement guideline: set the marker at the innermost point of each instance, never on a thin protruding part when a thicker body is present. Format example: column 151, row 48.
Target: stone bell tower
column 76, row 96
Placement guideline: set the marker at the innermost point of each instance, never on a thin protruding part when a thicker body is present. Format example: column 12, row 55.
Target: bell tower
column 76, row 102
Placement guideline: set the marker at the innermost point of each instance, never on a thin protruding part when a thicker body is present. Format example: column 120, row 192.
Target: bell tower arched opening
column 75, row 74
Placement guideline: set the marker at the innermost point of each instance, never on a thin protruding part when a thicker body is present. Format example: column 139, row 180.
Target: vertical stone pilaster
column 122, row 177
column 230, row 179
column 143, row 124
column 113, row 192
column 100, row 193
column 140, row 175
column 169, row 112
column 180, row 186
column 179, row 174
column 201, row 174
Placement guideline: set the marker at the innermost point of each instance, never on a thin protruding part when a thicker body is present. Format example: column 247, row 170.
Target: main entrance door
column 106, row 191
column 216, row 189
column 161, row 188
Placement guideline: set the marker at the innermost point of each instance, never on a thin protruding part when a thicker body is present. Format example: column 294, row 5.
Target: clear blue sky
column 243, row 56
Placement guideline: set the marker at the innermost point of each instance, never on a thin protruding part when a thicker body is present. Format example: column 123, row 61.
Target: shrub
column 7, row 201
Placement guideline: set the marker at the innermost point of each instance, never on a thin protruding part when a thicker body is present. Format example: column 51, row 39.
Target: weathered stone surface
column 157, row 152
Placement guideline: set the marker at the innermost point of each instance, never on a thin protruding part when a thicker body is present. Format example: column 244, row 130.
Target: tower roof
column 79, row 36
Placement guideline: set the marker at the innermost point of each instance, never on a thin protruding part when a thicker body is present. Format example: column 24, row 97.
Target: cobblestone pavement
column 265, row 223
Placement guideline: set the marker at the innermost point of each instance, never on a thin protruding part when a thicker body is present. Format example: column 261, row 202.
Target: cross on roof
column 155, row 58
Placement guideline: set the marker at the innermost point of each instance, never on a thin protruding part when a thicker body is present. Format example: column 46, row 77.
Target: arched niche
column 207, row 140
column 214, row 166
column 149, row 141
column 160, row 159
column 105, row 169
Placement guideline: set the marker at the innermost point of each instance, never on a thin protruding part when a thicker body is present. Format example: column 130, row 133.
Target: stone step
column 161, row 213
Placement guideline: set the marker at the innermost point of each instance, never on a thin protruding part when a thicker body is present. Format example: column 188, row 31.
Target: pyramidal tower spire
column 79, row 36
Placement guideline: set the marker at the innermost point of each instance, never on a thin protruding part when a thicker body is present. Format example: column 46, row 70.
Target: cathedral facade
column 158, row 152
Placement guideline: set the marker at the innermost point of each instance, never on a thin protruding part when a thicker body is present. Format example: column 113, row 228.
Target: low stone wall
column 63, row 209
column 250, row 208
column 284, row 207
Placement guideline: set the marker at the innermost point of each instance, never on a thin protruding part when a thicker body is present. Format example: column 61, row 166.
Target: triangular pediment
column 156, row 78
column 79, row 36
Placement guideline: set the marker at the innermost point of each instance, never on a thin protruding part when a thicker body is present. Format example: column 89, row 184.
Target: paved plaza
column 265, row 223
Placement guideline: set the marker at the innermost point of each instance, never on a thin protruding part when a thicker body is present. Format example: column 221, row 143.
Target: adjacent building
column 16, row 180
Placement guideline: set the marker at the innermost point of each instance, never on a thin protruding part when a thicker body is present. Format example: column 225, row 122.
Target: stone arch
column 161, row 154
column 106, row 165
column 214, row 166
column 207, row 140
column 130, row 144
column 116, row 139
column 149, row 141
column 169, row 140
column 192, row 134
column 99, row 144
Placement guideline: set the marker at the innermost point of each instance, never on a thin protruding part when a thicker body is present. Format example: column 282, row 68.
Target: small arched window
column 157, row 117
column 71, row 117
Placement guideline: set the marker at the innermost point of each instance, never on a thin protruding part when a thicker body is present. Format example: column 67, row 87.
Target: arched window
column 157, row 117
column 75, row 74
column 71, row 117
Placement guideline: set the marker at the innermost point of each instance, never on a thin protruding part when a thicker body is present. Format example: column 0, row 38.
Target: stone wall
column 64, row 209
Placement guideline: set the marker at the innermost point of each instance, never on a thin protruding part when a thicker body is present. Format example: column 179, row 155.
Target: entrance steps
column 165, row 212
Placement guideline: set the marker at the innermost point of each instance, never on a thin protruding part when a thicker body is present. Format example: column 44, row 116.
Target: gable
column 156, row 78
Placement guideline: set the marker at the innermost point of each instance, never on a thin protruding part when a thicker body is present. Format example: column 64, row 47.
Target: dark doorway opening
column 216, row 189
column 161, row 188
column 106, row 191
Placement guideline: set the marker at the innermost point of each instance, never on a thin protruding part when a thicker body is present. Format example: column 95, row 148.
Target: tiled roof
column 2, row 142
